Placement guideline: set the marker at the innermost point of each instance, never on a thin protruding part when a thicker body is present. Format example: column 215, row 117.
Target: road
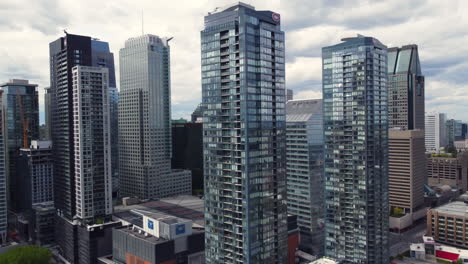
column 400, row 243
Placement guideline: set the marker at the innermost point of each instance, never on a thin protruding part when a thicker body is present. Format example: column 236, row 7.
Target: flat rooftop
column 181, row 206
column 454, row 208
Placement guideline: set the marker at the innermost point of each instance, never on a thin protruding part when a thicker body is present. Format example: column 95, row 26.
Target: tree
column 26, row 255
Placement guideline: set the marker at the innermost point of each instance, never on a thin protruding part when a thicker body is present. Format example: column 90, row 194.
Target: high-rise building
column 187, row 150
column 93, row 174
column 405, row 89
column 454, row 131
column 35, row 173
column 356, row 150
column 47, row 107
column 289, row 95
column 3, row 177
column 435, row 131
column 114, row 132
column 451, row 171
column 406, row 170
column 244, row 136
column 145, row 121
column 304, row 170
column 80, row 133
column 197, row 115
column 21, row 106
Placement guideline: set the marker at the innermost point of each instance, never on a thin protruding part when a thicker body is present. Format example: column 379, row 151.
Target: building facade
column 304, row 170
column 356, row 150
column 454, row 131
column 145, row 121
column 406, row 170
column 21, row 106
column 3, row 177
column 447, row 170
column 447, row 224
column 36, row 174
column 405, row 89
column 244, row 136
column 92, row 145
column 435, row 132
column 47, row 107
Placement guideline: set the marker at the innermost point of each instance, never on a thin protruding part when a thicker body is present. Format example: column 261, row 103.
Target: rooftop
column 454, row 208
column 324, row 260
column 181, row 206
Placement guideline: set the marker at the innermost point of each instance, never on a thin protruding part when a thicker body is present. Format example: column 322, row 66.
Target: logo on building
column 276, row 17
column 180, row 229
column 150, row 224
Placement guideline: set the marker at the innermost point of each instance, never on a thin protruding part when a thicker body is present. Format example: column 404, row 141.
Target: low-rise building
column 445, row 169
column 431, row 252
column 448, row 224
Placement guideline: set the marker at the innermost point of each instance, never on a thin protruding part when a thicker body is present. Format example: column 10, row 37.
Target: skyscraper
column 244, row 136
column 304, row 170
column 80, row 134
column 145, row 121
column 3, row 177
column 454, row 131
column 114, row 132
column 356, row 150
column 435, row 131
column 405, row 89
column 47, row 107
column 21, row 106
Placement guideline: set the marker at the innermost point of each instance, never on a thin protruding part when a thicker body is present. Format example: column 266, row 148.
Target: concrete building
column 304, row 170
column 81, row 151
column 244, row 136
column 461, row 145
column 443, row 169
column 145, row 122
column 405, row 88
column 42, row 223
column 36, row 175
column 21, row 106
column 3, row 177
column 435, row 132
column 93, row 173
column 356, row 150
column 448, row 224
column 406, row 172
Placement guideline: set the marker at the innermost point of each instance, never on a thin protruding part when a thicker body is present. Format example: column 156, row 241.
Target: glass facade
column 356, row 150
column 405, row 89
column 145, row 121
column 244, row 136
column 304, row 170
column 21, row 105
column 3, row 178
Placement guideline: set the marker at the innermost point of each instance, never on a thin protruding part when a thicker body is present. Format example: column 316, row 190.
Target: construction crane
column 24, row 121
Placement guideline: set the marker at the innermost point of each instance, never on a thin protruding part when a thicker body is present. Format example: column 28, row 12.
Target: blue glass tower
column 244, row 136
column 356, row 150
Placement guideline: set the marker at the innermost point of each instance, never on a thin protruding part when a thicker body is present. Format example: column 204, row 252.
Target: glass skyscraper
column 304, row 170
column 145, row 122
column 244, row 136
column 3, row 179
column 21, row 106
column 405, row 89
column 356, row 150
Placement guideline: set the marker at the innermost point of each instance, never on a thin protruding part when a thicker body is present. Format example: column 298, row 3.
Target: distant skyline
column 438, row 28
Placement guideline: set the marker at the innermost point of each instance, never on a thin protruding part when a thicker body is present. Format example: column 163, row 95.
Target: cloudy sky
column 440, row 28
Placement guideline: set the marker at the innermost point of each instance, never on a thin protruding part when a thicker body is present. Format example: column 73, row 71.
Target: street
column 400, row 243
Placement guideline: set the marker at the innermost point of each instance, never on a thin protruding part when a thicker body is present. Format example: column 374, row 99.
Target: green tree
column 26, row 255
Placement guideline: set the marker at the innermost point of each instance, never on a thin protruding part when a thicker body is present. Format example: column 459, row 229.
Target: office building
column 48, row 114
column 36, row 175
column 445, row 169
column 304, row 170
column 244, row 136
column 356, row 150
column 454, row 131
column 43, row 221
column 3, row 176
column 145, row 122
column 114, row 132
column 80, row 133
column 435, row 132
column 447, row 224
column 289, row 95
column 405, row 89
column 187, row 150
column 21, row 106
column 406, row 172
column 461, row 145
column 197, row 115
